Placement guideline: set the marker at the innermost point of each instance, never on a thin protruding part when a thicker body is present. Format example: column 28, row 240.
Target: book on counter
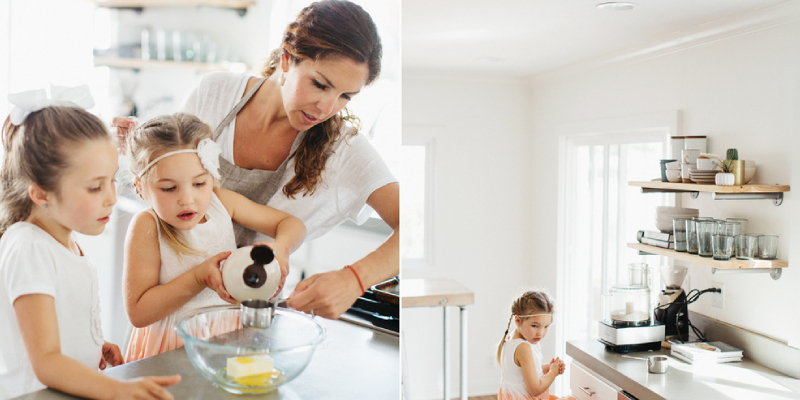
column 714, row 352
column 658, row 239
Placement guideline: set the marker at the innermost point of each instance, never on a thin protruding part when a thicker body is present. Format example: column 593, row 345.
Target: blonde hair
column 159, row 136
column 530, row 303
column 37, row 152
column 329, row 28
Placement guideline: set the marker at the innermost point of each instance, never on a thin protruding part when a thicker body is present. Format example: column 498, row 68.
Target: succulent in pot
column 726, row 177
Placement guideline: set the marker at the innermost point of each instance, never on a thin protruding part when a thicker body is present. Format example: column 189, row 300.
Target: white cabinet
column 586, row 385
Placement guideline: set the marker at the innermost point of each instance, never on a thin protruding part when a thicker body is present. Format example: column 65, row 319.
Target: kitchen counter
column 737, row 380
column 353, row 362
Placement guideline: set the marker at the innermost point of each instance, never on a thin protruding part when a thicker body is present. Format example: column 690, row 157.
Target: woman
column 285, row 143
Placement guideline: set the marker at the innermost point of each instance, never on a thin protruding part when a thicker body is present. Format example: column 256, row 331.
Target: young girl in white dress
column 57, row 178
column 173, row 250
column 524, row 376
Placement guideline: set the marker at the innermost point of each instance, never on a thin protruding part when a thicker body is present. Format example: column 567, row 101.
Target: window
column 416, row 196
column 599, row 214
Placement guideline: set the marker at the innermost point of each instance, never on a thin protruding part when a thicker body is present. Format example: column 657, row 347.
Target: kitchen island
column 736, row 380
column 353, row 362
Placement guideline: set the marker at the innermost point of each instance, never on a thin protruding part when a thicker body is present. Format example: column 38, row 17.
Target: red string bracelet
column 360, row 284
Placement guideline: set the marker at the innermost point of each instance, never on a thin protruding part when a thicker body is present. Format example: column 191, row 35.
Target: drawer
column 585, row 385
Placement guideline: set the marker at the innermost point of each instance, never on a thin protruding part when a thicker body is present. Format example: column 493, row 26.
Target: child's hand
column 282, row 255
column 150, row 387
column 208, row 274
column 557, row 362
column 124, row 127
column 111, row 355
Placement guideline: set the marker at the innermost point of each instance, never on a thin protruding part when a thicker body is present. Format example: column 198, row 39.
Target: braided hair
column 531, row 302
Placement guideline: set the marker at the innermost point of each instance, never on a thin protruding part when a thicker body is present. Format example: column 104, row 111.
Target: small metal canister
column 738, row 172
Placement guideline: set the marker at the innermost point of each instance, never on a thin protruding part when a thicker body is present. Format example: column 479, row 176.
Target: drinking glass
column 742, row 224
column 768, row 247
column 728, row 228
column 722, row 246
column 746, row 246
column 705, row 229
column 679, row 230
column 691, row 234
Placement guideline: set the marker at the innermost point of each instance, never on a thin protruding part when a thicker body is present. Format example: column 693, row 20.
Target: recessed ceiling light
column 616, row 6
column 490, row 59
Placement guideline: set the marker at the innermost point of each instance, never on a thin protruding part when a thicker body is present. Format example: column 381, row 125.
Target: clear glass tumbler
column 768, row 247
column 730, row 228
column 746, row 246
column 679, row 232
column 742, row 224
column 705, row 229
column 691, row 233
column 722, row 246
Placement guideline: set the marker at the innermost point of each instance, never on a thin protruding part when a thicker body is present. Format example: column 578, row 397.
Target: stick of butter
column 249, row 365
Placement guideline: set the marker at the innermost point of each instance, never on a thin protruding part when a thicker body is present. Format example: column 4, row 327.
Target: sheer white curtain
column 600, row 215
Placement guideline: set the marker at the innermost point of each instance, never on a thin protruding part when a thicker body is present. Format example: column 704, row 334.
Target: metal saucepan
column 655, row 364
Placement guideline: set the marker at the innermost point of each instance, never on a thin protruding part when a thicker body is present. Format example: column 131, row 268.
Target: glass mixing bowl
column 214, row 335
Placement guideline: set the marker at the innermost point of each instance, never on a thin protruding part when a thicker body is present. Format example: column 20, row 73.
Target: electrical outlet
column 718, row 299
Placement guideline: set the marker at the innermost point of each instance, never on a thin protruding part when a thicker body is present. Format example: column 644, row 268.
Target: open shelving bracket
column 774, row 273
column 694, row 194
column 777, row 198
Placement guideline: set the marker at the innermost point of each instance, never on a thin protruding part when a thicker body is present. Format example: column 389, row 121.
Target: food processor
column 627, row 325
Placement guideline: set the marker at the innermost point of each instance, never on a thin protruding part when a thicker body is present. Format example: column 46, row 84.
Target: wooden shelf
column 135, row 63
column 173, row 3
column 733, row 264
column 696, row 187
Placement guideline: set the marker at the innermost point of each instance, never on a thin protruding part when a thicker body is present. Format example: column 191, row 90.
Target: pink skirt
column 523, row 395
column 161, row 336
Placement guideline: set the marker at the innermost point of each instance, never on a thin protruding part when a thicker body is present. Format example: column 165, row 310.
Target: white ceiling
column 526, row 37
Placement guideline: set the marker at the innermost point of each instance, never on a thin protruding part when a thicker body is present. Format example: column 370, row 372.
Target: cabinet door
column 585, row 385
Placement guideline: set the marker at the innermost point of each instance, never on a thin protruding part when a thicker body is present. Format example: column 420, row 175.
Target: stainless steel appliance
column 627, row 324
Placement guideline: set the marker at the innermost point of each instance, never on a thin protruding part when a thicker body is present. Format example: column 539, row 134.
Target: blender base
column 629, row 348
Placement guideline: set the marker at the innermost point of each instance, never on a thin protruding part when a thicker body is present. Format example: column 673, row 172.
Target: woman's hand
column 281, row 253
column 208, row 274
column 111, row 356
column 328, row 294
column 124, row 127
column 150, row 387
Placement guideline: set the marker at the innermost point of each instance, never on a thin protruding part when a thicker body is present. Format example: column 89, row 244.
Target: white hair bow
column 35, row 100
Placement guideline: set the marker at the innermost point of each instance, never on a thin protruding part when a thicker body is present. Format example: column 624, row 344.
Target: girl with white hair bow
column 57, row 177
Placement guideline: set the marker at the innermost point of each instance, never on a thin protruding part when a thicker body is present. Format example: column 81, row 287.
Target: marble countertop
column 737, row 380
column 352, row 363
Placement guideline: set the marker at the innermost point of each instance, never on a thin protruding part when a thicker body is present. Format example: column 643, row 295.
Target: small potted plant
column 726, row 177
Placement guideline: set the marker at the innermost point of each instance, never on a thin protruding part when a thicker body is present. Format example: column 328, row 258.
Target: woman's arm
column 287, row 230
column 330, row 294
column 36, row 315
column 535, row 384
column 146, row 301
column 384, row 262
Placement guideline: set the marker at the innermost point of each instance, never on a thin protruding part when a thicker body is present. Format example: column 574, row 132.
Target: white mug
column 690, row 155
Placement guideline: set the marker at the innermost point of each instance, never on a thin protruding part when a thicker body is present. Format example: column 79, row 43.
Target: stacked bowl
column 665, row 215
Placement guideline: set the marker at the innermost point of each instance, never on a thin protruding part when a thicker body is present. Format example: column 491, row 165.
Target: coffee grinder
column 673, row 309
column 627, row 324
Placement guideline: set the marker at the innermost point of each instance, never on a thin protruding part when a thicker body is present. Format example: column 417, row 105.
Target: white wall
column 741, row 92
column 482, row 220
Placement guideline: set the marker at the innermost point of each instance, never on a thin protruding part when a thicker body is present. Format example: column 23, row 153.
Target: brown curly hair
column 326, row 28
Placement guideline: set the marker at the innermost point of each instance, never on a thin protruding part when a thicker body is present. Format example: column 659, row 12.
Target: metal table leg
column 446, row 352
column 463, row 353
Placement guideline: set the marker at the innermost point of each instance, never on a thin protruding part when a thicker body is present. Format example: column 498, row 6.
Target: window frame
column 425, row 136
